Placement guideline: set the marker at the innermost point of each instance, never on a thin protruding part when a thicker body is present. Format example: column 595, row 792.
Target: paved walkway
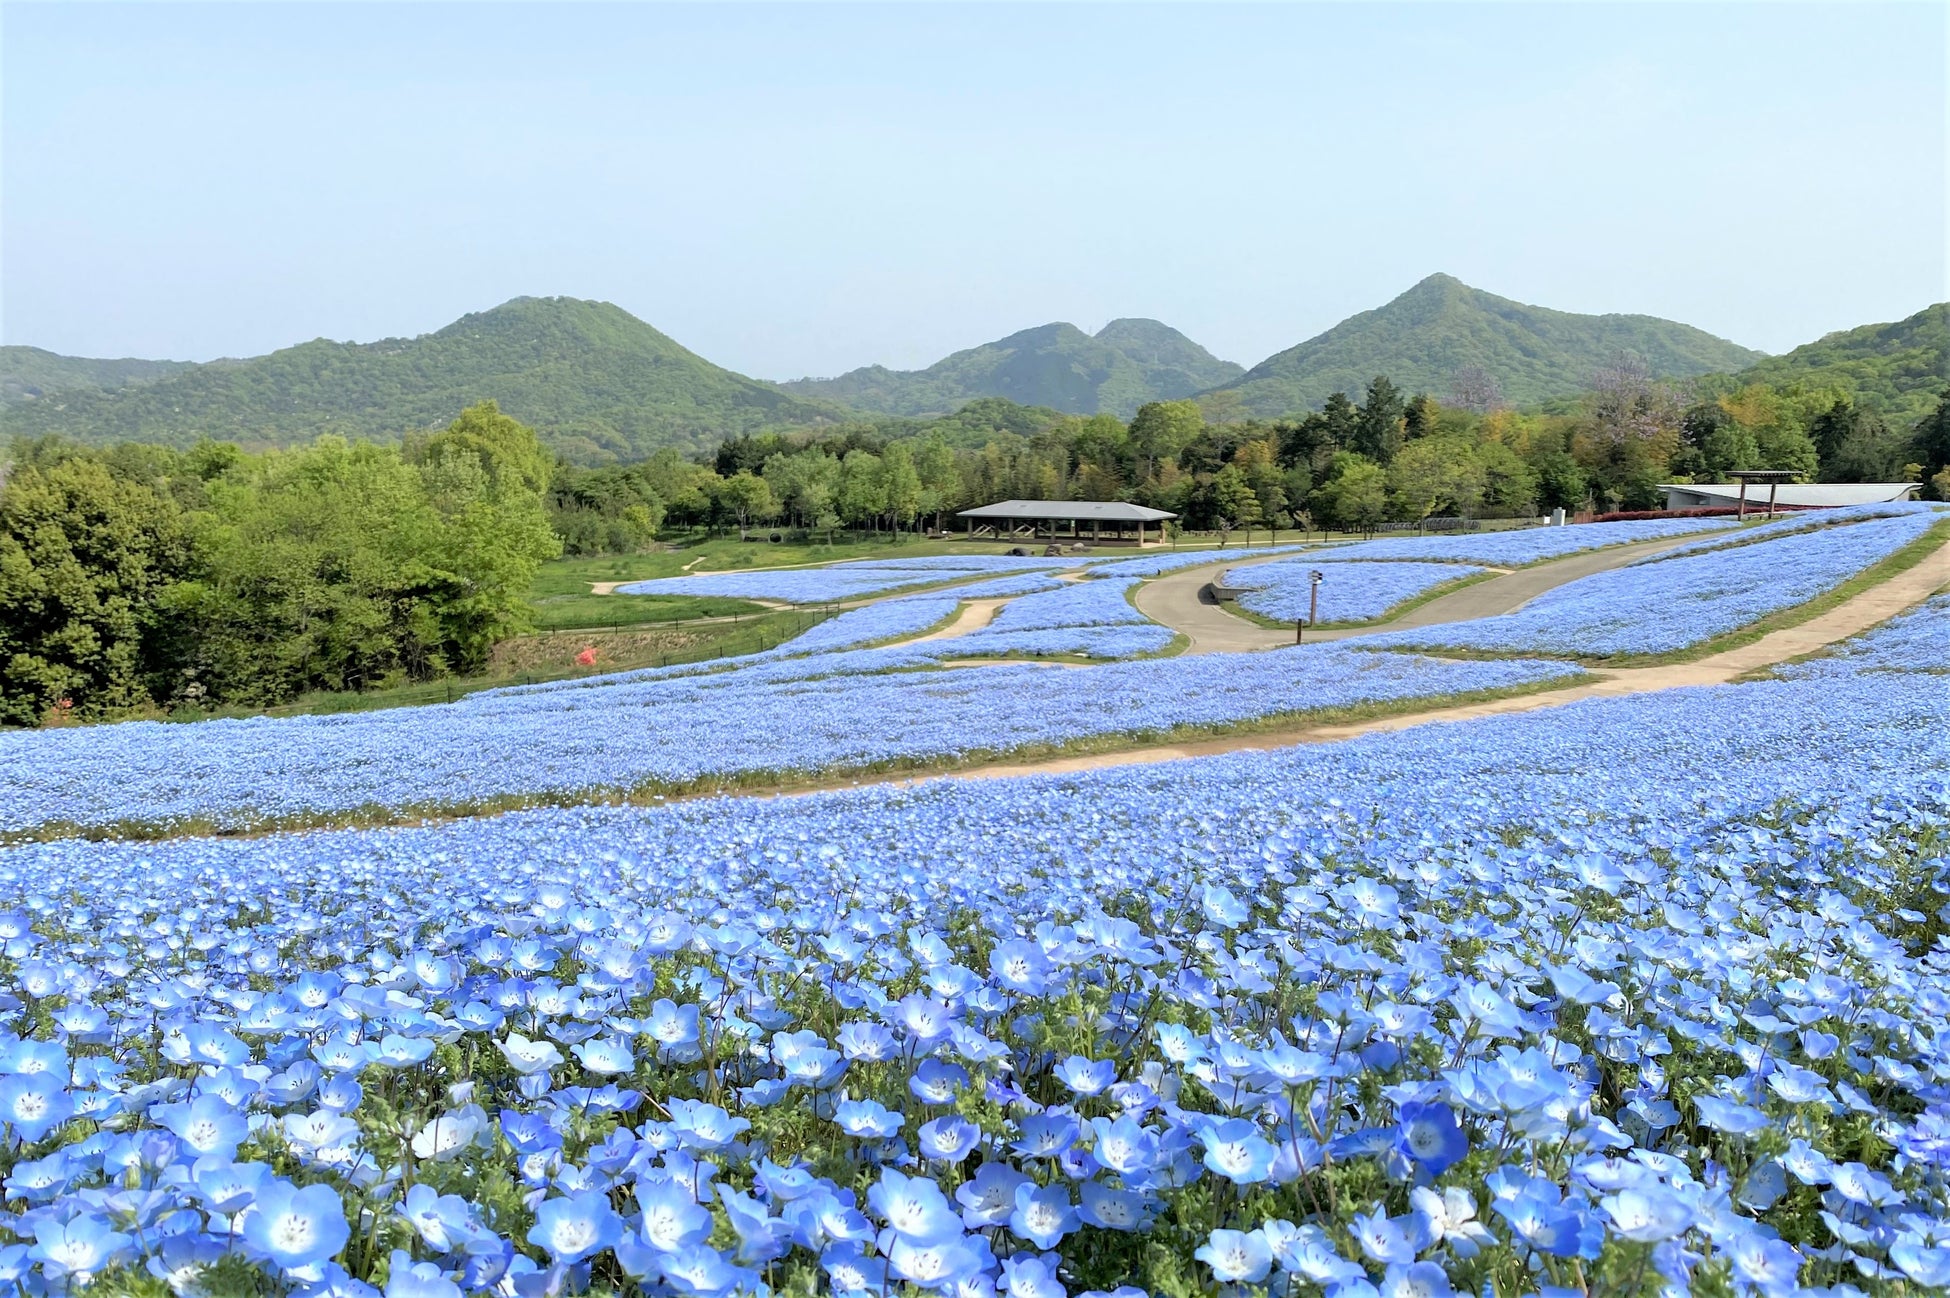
column 1181, row 600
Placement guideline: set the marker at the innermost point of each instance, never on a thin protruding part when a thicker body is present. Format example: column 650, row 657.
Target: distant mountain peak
column 1424, row 337
column 1057, row 365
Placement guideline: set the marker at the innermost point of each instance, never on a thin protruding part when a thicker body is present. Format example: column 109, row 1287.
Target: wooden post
column 1772, row 488
column 1743, row 500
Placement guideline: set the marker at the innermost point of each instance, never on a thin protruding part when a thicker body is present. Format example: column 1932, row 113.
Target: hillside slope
column 30, row 374
column 1422, row 338
column 1897, row 370
column 1127, row 363
column 597, row 382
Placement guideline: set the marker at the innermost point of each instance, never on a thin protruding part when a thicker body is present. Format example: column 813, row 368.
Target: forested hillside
column 31, row 374
column 598, row 383
column 1127, row 363
column 1446, row 338
column 1895, row 370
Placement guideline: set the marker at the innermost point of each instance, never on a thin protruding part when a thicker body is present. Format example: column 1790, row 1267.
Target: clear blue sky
column 805, row 189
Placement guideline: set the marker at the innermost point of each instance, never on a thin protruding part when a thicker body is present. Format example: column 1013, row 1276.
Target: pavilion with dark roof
column 1037, row 517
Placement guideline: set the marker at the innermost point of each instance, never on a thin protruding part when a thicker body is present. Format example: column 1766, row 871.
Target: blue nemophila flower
column 1540, row 1217
column 1415, row 1280
column 443, row 1221
column 72, row 1251
column 1046, row 1135
column 570, row 1229
column 294, row 1228
column 934, row 1264
column 913, row 1208
column 1237, row 1256
column 605, row 1055
column 1087, row 1077
column 1648, row 1213
column 1733, row 1118
column 1431, row 1137
column 1099, row 1205
column 1027, row 1276
column 1020, row 966
column 1235, row 1150
column 1043, row 1214
column 866, row 1119
column 409, row 1279
column 949, row 1139
column 527, row 1056
column 990, row 1197
column 33, row 1104
column 1390, row 1239
column 1124, row 1145
column 207, row 1125
column 704, row 1126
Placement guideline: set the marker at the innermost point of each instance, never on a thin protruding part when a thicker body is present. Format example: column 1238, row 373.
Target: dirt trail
column 1870, row 608
column 1181, row 601
column 974, row 615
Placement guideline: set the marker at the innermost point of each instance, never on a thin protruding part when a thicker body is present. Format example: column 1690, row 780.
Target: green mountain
column 1897, row 370
column 1423, row 338
column 1128, row 363
column 30, row 374
column 597, row 382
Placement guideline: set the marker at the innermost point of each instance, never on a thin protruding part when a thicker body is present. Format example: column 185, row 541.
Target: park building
column 1110, row 522
column 1758, row 493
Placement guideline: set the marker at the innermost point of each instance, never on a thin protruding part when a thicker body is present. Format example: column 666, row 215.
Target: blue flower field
column 1640, row 995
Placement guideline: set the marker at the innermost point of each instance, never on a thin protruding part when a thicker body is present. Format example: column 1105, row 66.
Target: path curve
column 1181, row 600
column 1870, row 608
column 974, row 615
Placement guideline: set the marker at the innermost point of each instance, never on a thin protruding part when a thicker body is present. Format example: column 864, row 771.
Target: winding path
column 1871, row 608
column 1183, row 602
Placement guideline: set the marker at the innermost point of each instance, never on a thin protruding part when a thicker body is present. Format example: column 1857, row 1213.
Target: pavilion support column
column 1772, row 489
column 1743, row 499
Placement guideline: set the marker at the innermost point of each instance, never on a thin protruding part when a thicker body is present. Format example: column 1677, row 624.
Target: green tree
column 1932, row 441
column 900, row 485
column 747, row 498
column 1232, row 501
column 1161, row 429
column 1378, row 430
column 84, row 560
column 863, row 490
column 1355, row 496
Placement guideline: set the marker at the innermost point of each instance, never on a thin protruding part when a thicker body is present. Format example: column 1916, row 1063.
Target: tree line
column 141, row 579
column 1357, row 465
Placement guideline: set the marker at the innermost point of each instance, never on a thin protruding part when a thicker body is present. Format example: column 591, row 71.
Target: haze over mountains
column 603, row 386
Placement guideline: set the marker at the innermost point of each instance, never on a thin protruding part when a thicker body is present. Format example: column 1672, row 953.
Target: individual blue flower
column 1236, row 1256
column 937, row 1264
column 72, row 1251
column 990, row 1196
column 1043, row 1214
column 937, row 1082
column 948, row 1139
column 294, row 1227
column 1087, row 1076
column 34, row 1104
column 1431, row 1137
column 1415, row 1280
column 672, row 1219
column 1235, row 1150
column 1124, row 1145
column 572, row 1228
column 1028, row 1276
column 406, row 1278
column 913, row 1207
column 1099, row 1205
column 1046, row 1135
column 866, row 1119
column 702, row 1126
column 1726, row 1115
column 850, row 1269
column 1385, row 1239
column 1020, row 967
column 605, row 1055
column 1647, row 1214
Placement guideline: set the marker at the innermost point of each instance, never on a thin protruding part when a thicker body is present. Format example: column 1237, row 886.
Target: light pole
column 1313, row 605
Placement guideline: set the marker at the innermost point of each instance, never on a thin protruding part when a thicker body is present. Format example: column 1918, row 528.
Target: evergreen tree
column 1378, row 430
